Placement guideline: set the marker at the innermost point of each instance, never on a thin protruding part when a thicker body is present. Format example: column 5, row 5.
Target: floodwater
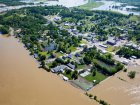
column 66, row 3
column 23, row 83
column 108, row 4
column 119, row 92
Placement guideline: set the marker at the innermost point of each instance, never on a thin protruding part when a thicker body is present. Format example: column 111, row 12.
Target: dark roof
column 71, row 66
column 58, row 68
column 70, row 55
column 77, row 55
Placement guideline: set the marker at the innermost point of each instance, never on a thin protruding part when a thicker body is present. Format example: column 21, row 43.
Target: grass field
column 112, row 48
column 91, row 5
column 98, row 77
column 103, row 64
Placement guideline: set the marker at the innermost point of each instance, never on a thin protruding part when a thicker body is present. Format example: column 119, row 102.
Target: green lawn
column 103, row 64
column 68, row 75
column 43, row 53
column 58, row 54
column 91, row 5
column 112, row 48
column 80, row 67
column 72, row 49
column 83, row 42
column 98, row 77
column 134, row 18
column 49, row 64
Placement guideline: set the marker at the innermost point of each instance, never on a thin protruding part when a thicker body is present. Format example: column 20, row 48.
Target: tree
column 42, row 57
column 67, row 71
column 42, row 64
column 131, row 74
column 94, row 73
column 3, row 30
column 54, row 64
column 95, row 97
column 75, row 75
column 125, row 70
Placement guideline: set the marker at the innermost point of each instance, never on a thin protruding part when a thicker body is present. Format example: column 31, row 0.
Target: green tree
column 75, row 75
column 132, row 74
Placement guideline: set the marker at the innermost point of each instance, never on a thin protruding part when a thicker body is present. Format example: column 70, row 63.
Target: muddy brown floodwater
column 120, row 92
column 22, row 83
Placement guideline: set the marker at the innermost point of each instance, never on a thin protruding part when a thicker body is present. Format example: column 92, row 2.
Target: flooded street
column 22, row 83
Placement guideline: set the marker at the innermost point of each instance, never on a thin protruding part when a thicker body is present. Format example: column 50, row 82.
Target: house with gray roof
column 58, row 69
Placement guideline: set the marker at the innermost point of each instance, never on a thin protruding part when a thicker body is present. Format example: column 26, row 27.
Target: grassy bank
column 91, row 5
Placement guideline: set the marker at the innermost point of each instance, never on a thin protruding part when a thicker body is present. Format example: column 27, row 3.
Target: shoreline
column 100, row 88
column 22, row 82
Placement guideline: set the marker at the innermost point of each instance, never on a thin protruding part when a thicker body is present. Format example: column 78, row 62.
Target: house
column 104, row 46
column 80, row 71
column 128, row 44
column 35, row 56
column 138, row 48
column 66, row 24
column 51, row 46
column 71, row 66
column 103, row 51
column 58, row 69
column 133, row 57
column 70, row 56
column 111, row 42
column 82, row 45
column 65, row 78
column 77, row 55
column 125, row 62
column 134, row 46
column 57, row 18
column 74, row 31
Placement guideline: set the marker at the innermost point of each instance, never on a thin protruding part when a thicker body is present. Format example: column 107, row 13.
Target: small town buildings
column 104, row 46
column 111, row 42
column 58, row 69
column 125, row 62
column 50, row 47
column 57, row 18
column 71, row 66
column 77, row 55
column 80, row 71
column 133, row 57
column 82, row 45
column 35, row 56
column 103, row 51
column 70, row 56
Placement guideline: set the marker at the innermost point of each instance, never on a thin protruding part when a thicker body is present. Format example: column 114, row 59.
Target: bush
column 4, row 30
column 131, row 74
column 95, row 97
column 103, row 102
column 90, row 95
column 125, row 70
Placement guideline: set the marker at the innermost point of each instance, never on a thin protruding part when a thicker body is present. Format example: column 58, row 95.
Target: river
column 23, row 83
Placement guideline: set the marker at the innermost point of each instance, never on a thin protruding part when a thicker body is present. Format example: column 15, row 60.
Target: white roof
column 65, row 78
